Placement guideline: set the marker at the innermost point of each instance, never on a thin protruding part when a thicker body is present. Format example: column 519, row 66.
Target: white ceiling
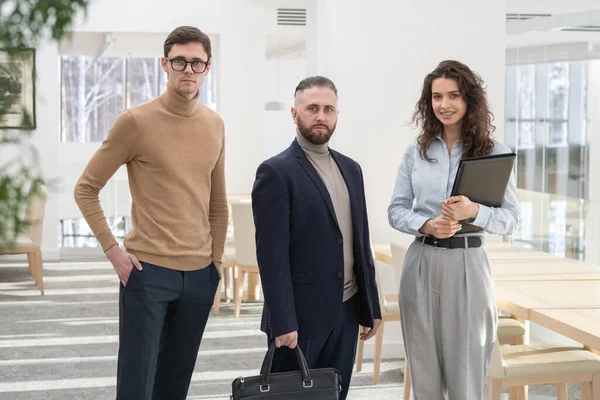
column 291, row 42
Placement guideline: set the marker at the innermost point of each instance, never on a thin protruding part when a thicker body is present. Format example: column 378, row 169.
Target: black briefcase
column 314, row 384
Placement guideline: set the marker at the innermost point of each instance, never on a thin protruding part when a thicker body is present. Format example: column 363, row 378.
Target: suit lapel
column 351, row 184
column 314, row 175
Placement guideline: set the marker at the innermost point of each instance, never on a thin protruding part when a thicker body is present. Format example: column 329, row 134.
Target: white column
column 378, row 55
column 46, row 141
column 241, row 68
column 322, row 35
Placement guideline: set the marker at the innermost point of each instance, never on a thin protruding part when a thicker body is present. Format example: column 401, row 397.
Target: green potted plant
column 23, row 25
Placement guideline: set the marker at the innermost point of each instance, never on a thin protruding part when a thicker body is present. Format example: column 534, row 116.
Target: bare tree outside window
column 94, row 91
column 144, row 80
column 92, row 96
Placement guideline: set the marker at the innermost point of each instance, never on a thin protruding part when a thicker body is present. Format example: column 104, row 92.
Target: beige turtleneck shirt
column 174, row 151
column 329, row 172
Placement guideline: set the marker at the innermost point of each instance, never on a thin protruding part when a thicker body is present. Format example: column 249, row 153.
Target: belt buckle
column 436, row 244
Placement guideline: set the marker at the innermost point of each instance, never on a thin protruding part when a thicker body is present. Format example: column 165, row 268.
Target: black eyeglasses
column 179, row 64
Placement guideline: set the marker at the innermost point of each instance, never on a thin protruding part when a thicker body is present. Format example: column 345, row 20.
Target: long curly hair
column 477, row 128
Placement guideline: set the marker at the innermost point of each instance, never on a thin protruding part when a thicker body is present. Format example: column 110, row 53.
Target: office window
column 526, row 108
column 94, row 91
column 144, row 78
column 92, row 96
column 558, row 103
column 77, row 233
column 525, row 234
column 546, row 125
column 557, row 231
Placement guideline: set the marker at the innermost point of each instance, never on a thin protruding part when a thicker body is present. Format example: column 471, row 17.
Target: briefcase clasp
column 266, row 387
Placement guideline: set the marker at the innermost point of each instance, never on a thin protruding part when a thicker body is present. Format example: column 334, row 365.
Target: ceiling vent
column 520, row 17
column 291, row 16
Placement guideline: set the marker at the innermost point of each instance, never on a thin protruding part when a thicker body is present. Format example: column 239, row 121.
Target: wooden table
column 232, row 198
column 496, row 251
column 503, row 246
column 560, row 294
column 581, row 325
column 383, row 252
column 510, row 263
column 555, row 270
column 534, row 256
column 583, row 276
column 520, row 297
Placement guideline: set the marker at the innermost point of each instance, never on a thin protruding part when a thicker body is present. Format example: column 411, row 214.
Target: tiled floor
column 63, row 345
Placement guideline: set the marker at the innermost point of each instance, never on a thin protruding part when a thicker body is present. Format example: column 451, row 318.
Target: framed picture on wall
column 17, row 89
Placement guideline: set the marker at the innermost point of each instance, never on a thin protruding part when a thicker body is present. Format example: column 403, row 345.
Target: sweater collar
column 178, row 104
column 308, row 146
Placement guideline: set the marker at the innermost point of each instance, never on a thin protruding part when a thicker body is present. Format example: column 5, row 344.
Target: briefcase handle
column 265, row 370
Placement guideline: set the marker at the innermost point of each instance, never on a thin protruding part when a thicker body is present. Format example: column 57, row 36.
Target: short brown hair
column 315, row 81
column 187, row 34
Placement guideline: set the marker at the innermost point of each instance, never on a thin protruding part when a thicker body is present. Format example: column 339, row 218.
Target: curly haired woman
column 447, row 298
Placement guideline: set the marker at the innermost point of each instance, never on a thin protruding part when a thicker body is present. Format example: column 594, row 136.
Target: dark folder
column 483, row 180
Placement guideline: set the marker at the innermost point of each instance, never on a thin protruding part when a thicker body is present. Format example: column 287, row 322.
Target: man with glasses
column 173, row 148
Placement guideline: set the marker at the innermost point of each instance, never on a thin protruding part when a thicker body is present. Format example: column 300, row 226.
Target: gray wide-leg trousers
column 449, row 320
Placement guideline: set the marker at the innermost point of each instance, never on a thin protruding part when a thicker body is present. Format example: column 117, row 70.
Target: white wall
column 382, row 56
column 282, row 76
column 150, row 16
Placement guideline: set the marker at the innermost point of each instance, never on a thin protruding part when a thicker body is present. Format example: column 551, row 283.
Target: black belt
column 453, row 242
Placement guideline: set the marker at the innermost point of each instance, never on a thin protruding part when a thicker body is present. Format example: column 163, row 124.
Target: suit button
column 340, row 241
column 339, row 274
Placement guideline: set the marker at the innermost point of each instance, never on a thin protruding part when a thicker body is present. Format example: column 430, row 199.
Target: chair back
column 398, row 255
column 496, row 370
column 380, row 293
column 244, row 233
column 34, row 214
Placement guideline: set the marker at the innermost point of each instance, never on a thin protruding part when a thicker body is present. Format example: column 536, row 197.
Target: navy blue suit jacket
column 299, row 245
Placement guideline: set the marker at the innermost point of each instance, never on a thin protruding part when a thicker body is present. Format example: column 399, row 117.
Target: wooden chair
column 511, row 331
column 228, row 262
column 543, row 364
column 30, row 242
column 390, row 311
column 245, row 249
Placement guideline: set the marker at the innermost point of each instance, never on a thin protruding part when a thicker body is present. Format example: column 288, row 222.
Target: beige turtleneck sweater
column 329, row 172
column 174, row 151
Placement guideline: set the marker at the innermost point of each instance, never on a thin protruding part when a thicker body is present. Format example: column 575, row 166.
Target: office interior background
column 540, row 60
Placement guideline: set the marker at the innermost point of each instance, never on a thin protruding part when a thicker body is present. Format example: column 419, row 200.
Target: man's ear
column 294, row 114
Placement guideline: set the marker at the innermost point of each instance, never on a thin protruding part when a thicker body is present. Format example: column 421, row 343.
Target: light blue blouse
column 421, row 186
